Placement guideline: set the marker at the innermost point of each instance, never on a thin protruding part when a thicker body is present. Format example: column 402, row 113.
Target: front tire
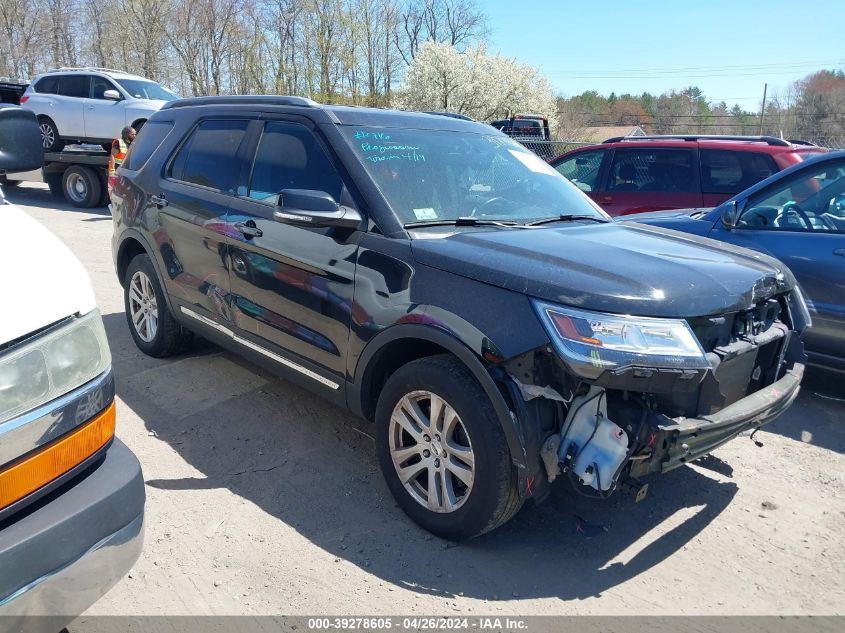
column 153, row 328
column 442, row 450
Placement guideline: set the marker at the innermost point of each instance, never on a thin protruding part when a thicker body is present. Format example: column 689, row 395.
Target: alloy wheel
column 143, row 308
column 431, row 451
column 48, row 136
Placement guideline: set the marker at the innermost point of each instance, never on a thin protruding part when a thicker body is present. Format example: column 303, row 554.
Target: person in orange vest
column 119, row 147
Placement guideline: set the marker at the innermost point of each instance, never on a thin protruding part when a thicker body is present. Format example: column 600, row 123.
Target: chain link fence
column 548, row 150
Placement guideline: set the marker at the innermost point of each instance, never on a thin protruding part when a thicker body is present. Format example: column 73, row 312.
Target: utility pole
column 763, row 108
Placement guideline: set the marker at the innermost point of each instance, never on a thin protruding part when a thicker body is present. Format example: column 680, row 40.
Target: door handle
column 248, row 229
column 159, row 201
column 90, row 107
column 840, row 252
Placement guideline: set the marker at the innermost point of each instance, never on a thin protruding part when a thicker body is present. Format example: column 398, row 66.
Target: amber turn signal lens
column 54, row 460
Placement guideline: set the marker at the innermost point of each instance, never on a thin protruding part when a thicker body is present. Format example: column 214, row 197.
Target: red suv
column 651, row 173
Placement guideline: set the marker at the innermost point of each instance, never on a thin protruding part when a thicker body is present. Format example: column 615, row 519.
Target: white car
column 71, row 493
column 90, row 105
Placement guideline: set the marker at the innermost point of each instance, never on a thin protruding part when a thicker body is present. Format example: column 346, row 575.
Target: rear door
column 194, row 193
column 104, row 118
column 801, row 221
column 292, row 286
column 651, row 179
column 724, row 173
column 73, row 90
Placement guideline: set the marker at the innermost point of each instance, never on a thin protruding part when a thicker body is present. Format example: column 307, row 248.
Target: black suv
column 438, row 279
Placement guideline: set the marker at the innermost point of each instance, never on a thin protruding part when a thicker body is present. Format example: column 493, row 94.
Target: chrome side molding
column 261, row 350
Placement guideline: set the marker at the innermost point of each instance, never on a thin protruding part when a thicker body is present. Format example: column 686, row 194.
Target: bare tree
column 456, row 22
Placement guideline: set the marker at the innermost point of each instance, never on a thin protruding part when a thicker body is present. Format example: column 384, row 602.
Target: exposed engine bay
column 607, row 431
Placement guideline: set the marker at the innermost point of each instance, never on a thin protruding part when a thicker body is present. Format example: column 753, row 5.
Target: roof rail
column 97, row 68
column 242, row 100
column 769, row 140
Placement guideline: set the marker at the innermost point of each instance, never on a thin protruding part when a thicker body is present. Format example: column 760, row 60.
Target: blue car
column 798, row 216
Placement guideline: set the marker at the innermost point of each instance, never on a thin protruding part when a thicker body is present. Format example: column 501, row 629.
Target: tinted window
column 99, row 86
column 74, row 85
column 290, row 157
column 654, row 170
column 48, row 85
column 813, row 200
column 208, row 157
column 147, row 141
column 582, row 169
column 724, row 171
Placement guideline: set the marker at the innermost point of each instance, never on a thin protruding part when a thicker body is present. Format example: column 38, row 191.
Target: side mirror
column 308, row 207
column 114, row 95
column 730, row 214
column 20, row 140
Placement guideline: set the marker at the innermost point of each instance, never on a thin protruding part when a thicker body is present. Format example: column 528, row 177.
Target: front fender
column 510, row 424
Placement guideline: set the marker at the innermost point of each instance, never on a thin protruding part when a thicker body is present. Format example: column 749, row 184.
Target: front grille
column 745, row 351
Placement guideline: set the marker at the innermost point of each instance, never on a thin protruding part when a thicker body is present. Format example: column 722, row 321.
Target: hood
column 695, row 221
column 147, row 106
column 42, row 280
column 618, row 268
column 662, row 215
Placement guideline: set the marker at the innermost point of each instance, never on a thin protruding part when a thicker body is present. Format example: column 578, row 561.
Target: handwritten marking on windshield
column 369, row 147
column 414, row 157
column 379, row 136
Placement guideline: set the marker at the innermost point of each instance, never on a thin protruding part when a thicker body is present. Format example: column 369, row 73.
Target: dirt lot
column 262, row 499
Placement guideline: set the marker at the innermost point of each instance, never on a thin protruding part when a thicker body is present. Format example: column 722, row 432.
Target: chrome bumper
column 74, row 546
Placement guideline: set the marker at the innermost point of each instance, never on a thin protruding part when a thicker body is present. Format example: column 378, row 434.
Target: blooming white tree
column 474, row 83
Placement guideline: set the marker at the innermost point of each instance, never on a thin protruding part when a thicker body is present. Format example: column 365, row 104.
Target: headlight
column 52, row 364
column 591, row 342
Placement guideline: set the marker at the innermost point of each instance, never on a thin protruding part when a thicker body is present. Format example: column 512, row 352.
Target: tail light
column 112, row 181
column 24, row 99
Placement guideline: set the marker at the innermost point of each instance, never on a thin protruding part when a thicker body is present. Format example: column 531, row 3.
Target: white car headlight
column 52, row 364
column 591, row 342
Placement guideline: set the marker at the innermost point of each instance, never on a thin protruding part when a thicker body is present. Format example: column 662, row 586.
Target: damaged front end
column 616, row 398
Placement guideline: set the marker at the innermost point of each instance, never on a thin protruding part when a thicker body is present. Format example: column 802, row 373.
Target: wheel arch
column 401, row 344
column 131, row 244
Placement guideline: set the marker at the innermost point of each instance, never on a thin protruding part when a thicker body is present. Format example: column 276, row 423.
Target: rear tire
column 82, row 186
column 50, row 140
column 461, row 454
column 153, row 328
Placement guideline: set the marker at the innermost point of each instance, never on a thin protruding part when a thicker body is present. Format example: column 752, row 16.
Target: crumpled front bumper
column 681, row 440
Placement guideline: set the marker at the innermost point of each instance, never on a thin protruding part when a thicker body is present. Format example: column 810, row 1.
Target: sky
column 729, row 49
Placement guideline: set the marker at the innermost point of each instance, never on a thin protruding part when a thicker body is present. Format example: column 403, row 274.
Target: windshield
column 146, row 89
column 430, row 175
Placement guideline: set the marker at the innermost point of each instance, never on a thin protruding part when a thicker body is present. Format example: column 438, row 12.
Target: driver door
column 292, row 286
column 801, row 221
column 104, row 118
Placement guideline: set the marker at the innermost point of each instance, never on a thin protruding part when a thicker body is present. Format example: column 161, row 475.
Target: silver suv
column 90, row 105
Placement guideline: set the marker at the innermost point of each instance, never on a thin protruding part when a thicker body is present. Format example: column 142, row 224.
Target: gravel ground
column 263, row 499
